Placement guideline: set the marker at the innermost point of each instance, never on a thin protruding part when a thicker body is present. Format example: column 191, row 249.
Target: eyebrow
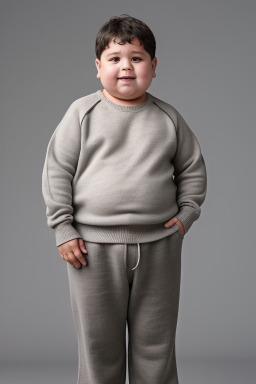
column 117, row 53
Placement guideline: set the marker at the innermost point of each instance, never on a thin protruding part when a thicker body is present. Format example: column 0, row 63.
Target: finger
column 73, row 260
column 82, row 246
column 181, row 226
column 65, row 257
column 79, row 256
column 171, row 222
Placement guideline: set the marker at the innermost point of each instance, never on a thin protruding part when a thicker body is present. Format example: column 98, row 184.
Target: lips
column 126, row 77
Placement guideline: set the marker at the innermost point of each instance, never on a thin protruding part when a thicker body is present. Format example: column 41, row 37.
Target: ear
column 154, row 64
column 97, row 63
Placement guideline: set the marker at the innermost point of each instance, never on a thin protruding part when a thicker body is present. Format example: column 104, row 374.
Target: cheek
column 144, row 71
column 110, row 73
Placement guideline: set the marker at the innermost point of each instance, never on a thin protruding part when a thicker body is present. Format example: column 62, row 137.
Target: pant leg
column 153, row 310
column 99, row 298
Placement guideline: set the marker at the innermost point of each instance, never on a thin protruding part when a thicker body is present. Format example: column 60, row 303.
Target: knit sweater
column 115, row 173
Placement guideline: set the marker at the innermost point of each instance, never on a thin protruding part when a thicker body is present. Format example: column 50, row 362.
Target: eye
column 113, row 58
column 117, row 58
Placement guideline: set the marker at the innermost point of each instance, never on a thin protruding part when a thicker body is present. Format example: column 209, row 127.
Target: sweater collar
column 126, row 108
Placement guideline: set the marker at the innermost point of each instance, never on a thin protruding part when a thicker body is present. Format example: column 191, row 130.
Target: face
column 130, row 60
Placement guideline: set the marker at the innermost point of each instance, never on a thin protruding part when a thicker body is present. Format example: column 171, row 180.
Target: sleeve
column 190, row 174
column 58, row 171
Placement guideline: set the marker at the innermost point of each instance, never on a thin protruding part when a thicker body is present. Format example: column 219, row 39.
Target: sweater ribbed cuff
column 65, row 232
column 187, row 215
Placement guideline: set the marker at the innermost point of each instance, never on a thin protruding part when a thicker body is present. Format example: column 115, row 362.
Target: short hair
column 125, row 29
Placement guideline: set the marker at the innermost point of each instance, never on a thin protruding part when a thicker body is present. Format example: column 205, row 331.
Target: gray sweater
column 116, row 174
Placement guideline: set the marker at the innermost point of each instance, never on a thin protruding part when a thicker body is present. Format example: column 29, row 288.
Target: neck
column 135, row 101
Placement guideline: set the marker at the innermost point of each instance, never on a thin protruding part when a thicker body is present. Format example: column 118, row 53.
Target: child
column 123, row 181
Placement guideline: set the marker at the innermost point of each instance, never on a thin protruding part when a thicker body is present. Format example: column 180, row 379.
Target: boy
column 123, row 181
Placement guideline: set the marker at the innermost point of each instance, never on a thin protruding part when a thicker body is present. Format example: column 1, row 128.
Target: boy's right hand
column 72, row 250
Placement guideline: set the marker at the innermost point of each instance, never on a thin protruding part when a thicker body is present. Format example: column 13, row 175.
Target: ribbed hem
column 124, row 233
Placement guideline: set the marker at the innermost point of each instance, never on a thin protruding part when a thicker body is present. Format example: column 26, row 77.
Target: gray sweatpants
column 134, row 283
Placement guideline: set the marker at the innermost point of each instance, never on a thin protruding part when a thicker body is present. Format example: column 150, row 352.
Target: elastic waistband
column 124, row 233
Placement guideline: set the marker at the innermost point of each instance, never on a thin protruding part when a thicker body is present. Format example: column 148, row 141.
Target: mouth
column 126, row 78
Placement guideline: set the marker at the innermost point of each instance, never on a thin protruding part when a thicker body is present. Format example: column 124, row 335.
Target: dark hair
column 125, row 29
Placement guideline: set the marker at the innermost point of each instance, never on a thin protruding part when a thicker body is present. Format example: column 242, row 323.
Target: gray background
column 206, row 69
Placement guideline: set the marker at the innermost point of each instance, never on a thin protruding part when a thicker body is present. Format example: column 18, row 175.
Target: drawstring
column 138, row 256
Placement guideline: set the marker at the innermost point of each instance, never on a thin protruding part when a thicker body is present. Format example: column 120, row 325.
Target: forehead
column 114, row 46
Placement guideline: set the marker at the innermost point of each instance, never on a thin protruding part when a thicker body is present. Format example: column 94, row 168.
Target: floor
column 190, row 372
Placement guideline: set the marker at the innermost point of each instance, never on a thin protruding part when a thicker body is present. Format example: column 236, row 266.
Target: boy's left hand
column 174, row 220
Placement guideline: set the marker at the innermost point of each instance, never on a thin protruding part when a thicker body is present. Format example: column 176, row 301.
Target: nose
column 126, row 64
